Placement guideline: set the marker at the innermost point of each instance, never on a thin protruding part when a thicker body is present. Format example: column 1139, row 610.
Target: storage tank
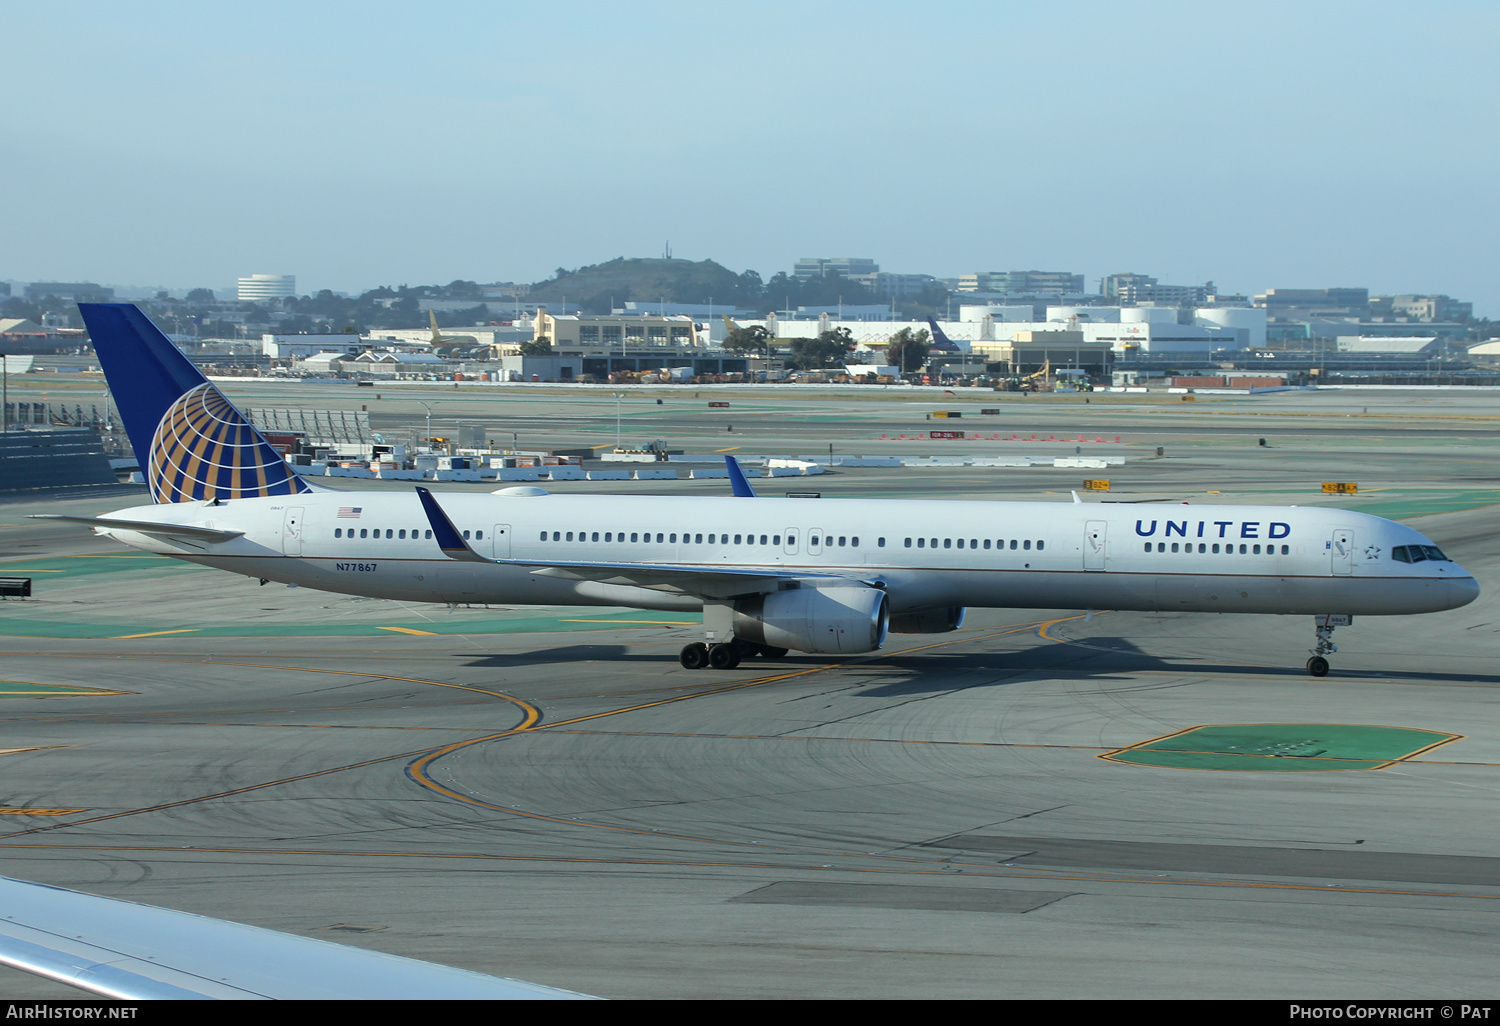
column 1249, row 319
column 1085, row 314
column 1148, row 315
column 1006, row 313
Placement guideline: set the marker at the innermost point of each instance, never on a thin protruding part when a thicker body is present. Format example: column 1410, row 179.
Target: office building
column 262, row 288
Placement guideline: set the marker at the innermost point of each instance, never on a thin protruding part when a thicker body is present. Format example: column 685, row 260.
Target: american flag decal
column 350, row 512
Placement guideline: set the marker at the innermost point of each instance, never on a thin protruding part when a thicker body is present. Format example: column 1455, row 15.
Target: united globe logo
column 204, row 449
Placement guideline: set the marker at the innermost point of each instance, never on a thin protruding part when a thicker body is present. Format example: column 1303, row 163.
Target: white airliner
column 769, row 574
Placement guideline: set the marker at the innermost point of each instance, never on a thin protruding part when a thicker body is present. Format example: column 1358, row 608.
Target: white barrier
column 867, row 461
column 609, row 475
column 401, row 475
column 1079, row 462
column 458, row 475
column 700, row 473
column 519, row 474
column 350, row 472
column 655, row 475
column 566, row 473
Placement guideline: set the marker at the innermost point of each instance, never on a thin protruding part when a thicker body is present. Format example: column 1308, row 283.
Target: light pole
column 428, row 440
column 618, row 396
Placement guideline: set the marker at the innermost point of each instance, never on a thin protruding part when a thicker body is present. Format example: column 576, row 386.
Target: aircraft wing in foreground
column 122, row 950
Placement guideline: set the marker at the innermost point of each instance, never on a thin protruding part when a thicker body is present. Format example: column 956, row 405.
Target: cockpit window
column 1433, row 552
column 1400, row 555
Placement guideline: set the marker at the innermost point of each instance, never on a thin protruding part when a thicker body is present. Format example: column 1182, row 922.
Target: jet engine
column 929, row 621
column 831, row 620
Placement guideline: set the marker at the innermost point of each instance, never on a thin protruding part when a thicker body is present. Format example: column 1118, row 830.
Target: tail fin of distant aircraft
column 191, row 441
column 728, row 324
column 437, row 336
column 737, row 482
column 941, row 342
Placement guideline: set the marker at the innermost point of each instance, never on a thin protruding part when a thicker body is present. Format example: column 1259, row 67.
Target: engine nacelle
column 929, row 621
column 832, row 620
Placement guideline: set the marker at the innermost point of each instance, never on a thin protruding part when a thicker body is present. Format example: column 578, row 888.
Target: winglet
column 448, row 537
column 1076, row 499
column 742, row 489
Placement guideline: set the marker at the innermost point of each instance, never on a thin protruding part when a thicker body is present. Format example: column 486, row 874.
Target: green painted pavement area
column 1282, row 747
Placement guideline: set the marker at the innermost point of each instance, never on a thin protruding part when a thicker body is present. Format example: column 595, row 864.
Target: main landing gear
column 724, row 656
column 1324, row 625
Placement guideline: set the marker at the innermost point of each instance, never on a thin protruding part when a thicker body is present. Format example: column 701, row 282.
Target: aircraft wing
column 187, row 531
column 130, row 952
column 703, row 581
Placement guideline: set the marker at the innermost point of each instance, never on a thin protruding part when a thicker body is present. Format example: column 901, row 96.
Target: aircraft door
column 814, row 541
column 291, row 531
column 789, row 541
column 500, row 536
column 1341, row 552
column 1093, row 544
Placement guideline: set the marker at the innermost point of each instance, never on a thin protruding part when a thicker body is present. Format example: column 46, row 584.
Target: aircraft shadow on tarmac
column 1100, row 658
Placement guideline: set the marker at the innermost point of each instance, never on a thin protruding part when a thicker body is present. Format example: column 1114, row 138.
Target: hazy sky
column 356, row 144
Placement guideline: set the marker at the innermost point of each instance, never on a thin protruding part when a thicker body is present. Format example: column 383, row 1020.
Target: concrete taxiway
column 546, row 794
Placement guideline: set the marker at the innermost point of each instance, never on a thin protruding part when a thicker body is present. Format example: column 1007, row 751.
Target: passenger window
column 762, row 539
column 362, row 532
column 1202, row 547
column 427, row 534
column 1012, row 544
column 633, row 535
column 466, row 536
column 569, row 536
column 338, row 532
column 1242, row 550
column 775, row 539
column 1040, row 545
column 596, row 536
column 854, row 542
column 880, row 543
column 986, row 543
column 737, row 539
column 934, row 543
column 973, row 543
column 557, row 536
column 908, row 543
column 1161, row 546
column 659, row 539
column 1255, row 550
column 1216, row 547
column 389, row 533
column 672, row 538
column 842, row 540
column 947, row 543
column 1174, row 546
column 921, row 543
column 960, row 543
column 401, row 533
column 1148, row 546
column 1285, row 550
column 698, row 539
column 1027, row 544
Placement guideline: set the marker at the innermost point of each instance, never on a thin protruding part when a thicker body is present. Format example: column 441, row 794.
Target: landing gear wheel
column 694, row 656
column 723, row 657
column 1317, row 666
column 768, row 652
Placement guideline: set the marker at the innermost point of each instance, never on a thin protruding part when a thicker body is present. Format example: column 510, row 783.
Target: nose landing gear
column 1324, row 625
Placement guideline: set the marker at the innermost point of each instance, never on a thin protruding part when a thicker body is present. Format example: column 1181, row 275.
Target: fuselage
column 926, row 554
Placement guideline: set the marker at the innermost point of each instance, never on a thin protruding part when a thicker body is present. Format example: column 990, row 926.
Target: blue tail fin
column 191, row 441
column 737, row 482
column 942, row 343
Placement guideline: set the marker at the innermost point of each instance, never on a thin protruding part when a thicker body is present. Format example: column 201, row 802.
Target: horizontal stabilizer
column 130, row 952
column 207, row 534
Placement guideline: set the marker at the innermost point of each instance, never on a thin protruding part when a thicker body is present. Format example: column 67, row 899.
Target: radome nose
column 1460, row 591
